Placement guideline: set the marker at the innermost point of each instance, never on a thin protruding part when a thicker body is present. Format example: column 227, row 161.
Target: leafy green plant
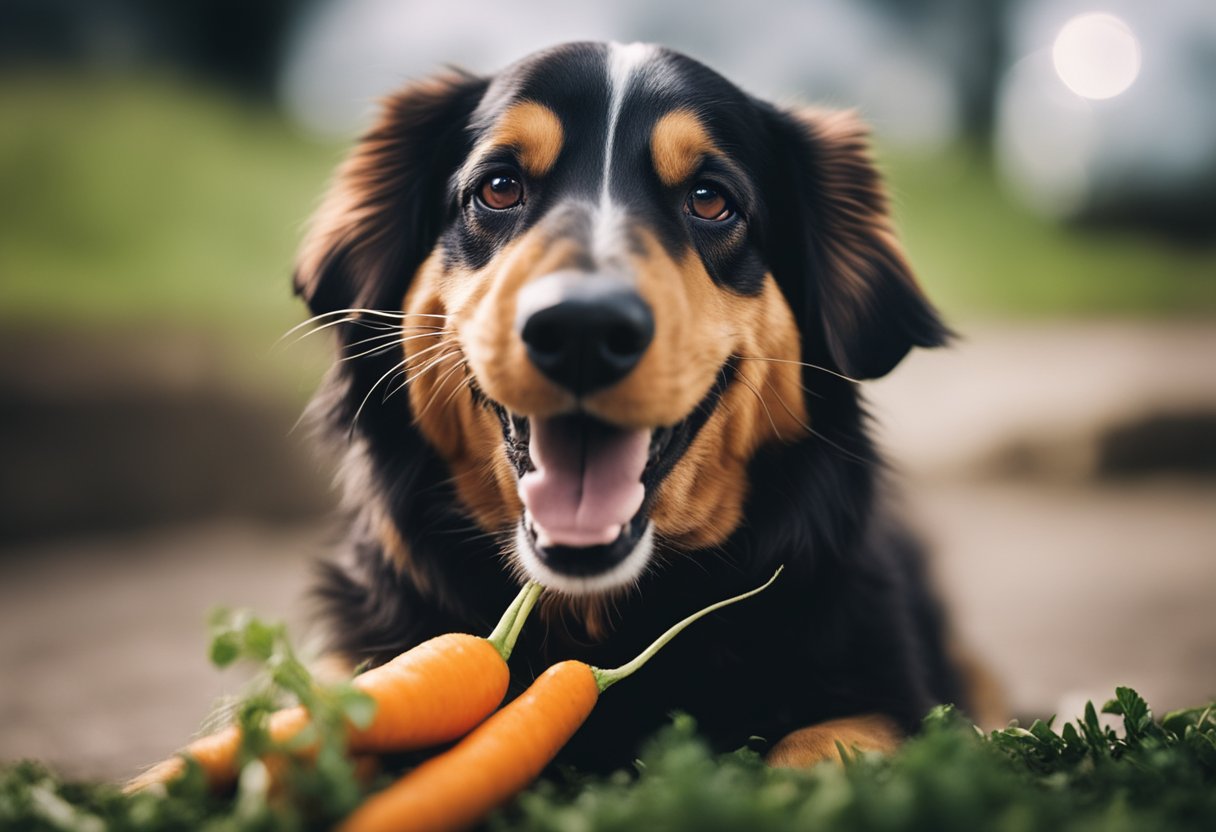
column 1084, row 776
column 1152, row 776
column 279, row 790
column 322, row 784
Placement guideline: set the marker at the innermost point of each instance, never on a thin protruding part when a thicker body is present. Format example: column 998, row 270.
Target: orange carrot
column 431, row 694
column 505, row 753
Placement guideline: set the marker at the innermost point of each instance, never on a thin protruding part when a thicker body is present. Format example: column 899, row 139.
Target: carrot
column 505, row 753
column 434, row 693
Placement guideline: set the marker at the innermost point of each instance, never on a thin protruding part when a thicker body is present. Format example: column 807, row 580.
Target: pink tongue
column 587, row 482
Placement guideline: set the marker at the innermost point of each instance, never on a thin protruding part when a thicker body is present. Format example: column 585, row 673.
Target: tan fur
column 533, row 131
column 699, row 326
column 482, row 309
column 577, row 616
column 678, row 143
column 701, row 501
column 468, row 437
column 807, row 746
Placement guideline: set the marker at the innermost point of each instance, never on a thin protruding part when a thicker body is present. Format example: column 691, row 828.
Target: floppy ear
column 386, row 205
column 863, row 299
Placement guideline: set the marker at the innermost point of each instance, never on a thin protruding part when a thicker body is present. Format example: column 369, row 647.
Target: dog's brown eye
column 501, row 191
column 708, row 203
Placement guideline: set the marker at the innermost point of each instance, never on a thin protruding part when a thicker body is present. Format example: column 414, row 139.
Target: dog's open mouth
column 584, row 500
column 587, row 488
column 586, row 481
column 586, row 492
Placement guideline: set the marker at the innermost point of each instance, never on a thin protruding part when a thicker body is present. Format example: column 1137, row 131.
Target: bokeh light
column 1096, row 55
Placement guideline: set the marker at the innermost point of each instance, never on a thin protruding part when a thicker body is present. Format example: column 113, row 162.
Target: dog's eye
column 707, row 202
column 501, row 191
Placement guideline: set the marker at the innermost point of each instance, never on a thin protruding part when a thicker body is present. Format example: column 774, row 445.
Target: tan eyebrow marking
column 678, row 143
column 534, row 131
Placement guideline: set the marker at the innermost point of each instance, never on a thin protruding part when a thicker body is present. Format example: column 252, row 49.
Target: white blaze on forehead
column 624, row 63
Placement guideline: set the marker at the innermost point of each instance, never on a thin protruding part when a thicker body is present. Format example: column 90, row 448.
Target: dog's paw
column 814, row 744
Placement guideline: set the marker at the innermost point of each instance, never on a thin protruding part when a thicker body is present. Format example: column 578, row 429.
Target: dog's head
column 605, row 269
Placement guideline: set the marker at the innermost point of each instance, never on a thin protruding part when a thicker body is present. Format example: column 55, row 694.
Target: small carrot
column 505, row 753
column 433, row 693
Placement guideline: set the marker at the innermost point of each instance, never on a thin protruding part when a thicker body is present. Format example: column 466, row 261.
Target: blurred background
column 1053, row 169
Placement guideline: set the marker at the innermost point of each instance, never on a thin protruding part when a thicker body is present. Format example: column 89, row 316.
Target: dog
column 603, row 320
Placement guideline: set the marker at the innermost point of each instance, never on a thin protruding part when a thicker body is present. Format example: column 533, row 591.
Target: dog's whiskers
column 383, row 349
column 354, row 421
column 355, row 316
column 449, row 350
column 466, row 536
column 439, row 386
column 800, row 364
column 356, row 321
column 810, row 429
column 414, row 357
column 383, row 313
column 395, row 369
column 468, row 382
column 763, row 403
column 393, row 341
column 398, row 331
column 389, row 391
column 412, row 376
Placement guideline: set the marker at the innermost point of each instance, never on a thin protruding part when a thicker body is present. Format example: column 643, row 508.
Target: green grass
column 134, row 202
column 978, row 253
column 129, row 200
column 950, row 777
column 1083, row 776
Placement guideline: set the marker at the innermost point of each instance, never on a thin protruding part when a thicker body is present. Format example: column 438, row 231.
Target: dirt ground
column 1067, row 582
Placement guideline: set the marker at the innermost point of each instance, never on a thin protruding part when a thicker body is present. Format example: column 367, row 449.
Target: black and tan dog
column 605, row 317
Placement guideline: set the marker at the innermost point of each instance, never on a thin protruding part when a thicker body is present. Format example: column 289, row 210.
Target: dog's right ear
column 386, row 206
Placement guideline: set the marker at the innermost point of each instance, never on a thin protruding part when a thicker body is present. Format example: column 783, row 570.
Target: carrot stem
column 607, row 678
column 512, row 622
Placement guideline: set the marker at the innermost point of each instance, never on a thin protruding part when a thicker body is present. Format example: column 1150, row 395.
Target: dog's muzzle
column 583, row 331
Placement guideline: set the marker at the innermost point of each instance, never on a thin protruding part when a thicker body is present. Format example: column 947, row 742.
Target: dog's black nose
column 583, row 331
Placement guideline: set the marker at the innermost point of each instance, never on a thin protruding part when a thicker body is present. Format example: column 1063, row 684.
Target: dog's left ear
column 856, row 288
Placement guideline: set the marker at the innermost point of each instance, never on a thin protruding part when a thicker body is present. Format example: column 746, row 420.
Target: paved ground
column 1069, row 592
column 1049, row 391
column 1068, row 585
column 103, row 642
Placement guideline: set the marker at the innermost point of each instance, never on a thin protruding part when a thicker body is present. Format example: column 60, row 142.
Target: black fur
column 828, row 200
column 402, row 177
column 850, row 628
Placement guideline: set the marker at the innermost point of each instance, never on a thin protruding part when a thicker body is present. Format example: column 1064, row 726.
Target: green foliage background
column 131, row 199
